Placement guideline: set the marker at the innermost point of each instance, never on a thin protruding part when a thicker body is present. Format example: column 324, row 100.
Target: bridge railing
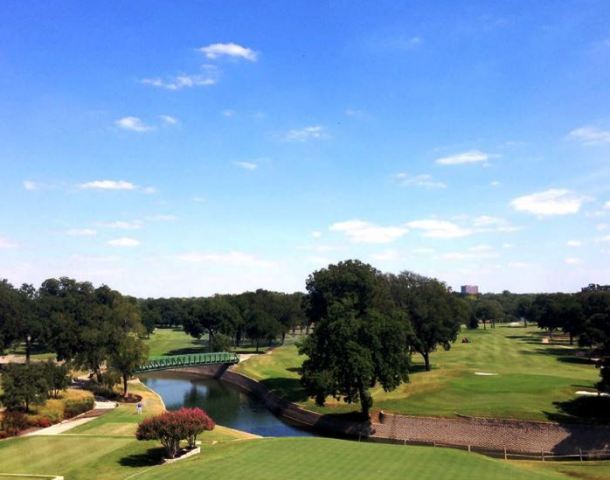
column 177, row 361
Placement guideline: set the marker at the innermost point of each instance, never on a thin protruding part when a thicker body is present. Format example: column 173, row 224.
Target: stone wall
column 483, row 434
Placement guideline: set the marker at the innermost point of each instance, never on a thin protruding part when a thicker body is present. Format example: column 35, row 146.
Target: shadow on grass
column 288, row 388
column 153, row 456
column 594, row 410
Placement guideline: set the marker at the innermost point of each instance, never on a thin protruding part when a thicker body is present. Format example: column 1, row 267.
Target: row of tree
column 228, row 319
column 89, row 328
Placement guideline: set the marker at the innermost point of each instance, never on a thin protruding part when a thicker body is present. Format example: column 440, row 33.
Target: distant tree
column 262, row 326
column 433, row 313
column 211, row 315
column 359, row 337
column 23, row 385
column 559, row 311
column 9, row 315
column 128, row 355
column 523, row 309
column 486, row 310
column 56, row 377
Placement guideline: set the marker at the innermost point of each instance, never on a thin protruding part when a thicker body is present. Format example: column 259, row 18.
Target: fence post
column 580, row 454
column 468, row 448
column 543, row 455
column 505, row 456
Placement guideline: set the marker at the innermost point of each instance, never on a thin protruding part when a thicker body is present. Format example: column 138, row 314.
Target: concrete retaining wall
column 489, row 434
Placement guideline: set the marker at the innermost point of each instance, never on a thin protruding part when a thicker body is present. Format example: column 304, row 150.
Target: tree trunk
column 365, row 399
column 257, row 344
column 525, row 322
column 426, row 356
column 283, row 337
column 125, row 386
column 211, row 340
column 571, row 339
column 484, row 325
column 28, row 349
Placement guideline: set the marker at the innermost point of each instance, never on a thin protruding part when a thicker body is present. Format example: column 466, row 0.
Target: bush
column 14, row 422
column 76, row 407
column 172, row 427
column 42, row 422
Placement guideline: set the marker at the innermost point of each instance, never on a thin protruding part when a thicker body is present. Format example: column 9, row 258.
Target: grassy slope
column 169, row 341
column 320, row 458
column 531, row 377
column 102, row 449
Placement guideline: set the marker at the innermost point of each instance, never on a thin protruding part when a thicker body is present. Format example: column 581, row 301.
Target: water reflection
column 224, row 403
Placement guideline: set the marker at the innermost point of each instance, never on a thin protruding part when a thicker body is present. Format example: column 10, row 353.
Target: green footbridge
column 179, row 361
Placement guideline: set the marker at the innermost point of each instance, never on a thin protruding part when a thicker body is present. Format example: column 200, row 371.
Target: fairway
column 327, row 459
column 173, row 341
column 529, row 378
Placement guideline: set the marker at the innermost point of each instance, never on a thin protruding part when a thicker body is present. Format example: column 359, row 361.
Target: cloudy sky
column 182, row 148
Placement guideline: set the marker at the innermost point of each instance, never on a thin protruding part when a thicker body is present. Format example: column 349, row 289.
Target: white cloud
column 590, row 135
column 7, row 243
column 108, row 185
column 207, row 78
column 230, row 259
column 604, row 239
column 574, row 243
column 134, row 124
column 312, row 132
column 350, row 112
column 607, row 205
column 471, row 156
column 123, row 224
column 168, row 120
column 359, row 231
column 81, row 232
column 495, row 183
column 573, row 261
column 423, row 180
column 554, row 201
column 486, row 223
column 508, row 245
column 316, row 234
column 124, row 242
column 198, row 199
column 246, row 165
column 433, row 228
column 216, row 50
column 30, row 185
column 228, row 113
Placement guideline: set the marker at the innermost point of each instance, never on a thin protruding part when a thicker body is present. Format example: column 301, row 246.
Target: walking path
column 100, row 407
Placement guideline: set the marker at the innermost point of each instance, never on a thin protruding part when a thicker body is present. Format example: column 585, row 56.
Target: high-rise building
column 469, row 289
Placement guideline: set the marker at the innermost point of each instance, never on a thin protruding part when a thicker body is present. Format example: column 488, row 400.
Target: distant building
column 469, row 289
column 594, row 287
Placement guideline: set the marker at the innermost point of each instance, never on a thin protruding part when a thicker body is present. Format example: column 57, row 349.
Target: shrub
column 76, row 407
column 14, row 422
column 42, row 422
column 172, row 427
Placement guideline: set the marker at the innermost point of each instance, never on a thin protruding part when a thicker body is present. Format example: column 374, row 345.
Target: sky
column 199, row 147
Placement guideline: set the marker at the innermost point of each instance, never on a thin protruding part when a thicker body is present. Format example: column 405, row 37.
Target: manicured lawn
column 173, row 341
column 327, row 459
column 530, row 377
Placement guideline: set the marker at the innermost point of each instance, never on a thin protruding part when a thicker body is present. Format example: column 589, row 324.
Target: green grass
column 173, row 341
column 320, row 458
column 531, row 378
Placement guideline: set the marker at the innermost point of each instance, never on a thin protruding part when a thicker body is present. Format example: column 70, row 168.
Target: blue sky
column 187, row 148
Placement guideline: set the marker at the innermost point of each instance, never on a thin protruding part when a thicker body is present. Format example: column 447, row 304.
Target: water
column 227, row 405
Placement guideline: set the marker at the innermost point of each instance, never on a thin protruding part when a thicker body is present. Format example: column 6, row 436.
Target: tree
column 172, row 427
column 56, row 377
column 433, row 313
column 23, row 385
column 130, row 353
column 486, row 310
column 262, row 326
column 212, row 315
column 523, row 309
column 9, row 315
column 359, row 338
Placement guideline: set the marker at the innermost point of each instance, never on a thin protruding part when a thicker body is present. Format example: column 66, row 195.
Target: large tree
column 211, row 315
column 432, row 311
column 127, row 356
column 359, row 338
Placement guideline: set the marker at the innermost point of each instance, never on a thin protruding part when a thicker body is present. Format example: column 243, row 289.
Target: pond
column 226, row 404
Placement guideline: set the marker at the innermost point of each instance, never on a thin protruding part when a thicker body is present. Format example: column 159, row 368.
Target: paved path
column 101, row 407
